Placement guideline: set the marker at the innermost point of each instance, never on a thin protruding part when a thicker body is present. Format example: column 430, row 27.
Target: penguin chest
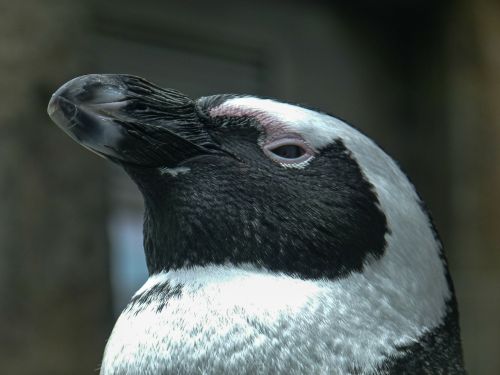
column 227, row 320
column 238, row 323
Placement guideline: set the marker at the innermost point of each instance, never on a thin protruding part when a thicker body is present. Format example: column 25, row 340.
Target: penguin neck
column 172, row 242
column 165, row 247
column 159, row 225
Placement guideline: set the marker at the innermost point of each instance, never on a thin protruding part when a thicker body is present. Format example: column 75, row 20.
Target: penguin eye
column 292, row 152
column 289, row 151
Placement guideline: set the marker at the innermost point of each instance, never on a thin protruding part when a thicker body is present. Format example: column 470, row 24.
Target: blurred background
column 421, row 77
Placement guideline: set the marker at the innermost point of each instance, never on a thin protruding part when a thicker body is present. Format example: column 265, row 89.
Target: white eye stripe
column 280, row 118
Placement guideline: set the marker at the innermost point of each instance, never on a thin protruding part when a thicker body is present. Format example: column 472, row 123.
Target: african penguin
column 279, row 240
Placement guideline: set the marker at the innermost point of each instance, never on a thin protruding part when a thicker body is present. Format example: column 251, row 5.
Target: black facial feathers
column 320, row 221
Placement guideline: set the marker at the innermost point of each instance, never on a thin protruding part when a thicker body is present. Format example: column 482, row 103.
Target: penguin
column 278, row 239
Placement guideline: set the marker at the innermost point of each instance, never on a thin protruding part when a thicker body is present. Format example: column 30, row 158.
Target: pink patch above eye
column 279, row 144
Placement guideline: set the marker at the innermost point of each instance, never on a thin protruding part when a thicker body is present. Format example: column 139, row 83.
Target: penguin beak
column 129, row 120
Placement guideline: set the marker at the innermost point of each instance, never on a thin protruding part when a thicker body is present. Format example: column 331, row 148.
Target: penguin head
column 231, row 179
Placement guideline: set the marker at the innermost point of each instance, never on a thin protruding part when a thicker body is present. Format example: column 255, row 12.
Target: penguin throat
column 174, row 240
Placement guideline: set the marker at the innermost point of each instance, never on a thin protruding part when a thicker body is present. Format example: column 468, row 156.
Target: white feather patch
column 245, row 320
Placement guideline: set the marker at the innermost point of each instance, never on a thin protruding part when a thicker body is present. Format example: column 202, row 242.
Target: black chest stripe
column 159, row 295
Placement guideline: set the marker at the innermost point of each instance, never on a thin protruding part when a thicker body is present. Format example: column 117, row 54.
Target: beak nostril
column 98, row 93
column 93, row 89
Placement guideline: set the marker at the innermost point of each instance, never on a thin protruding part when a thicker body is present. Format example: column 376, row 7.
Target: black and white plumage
column 279, row 240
